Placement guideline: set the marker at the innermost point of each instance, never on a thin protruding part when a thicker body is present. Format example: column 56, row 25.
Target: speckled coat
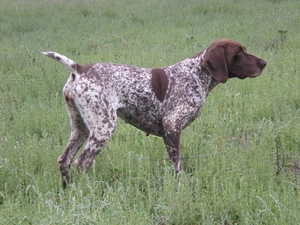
column 159, row 101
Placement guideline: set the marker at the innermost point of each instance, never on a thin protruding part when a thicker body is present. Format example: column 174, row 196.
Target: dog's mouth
column 242, row 77
column 256, row 74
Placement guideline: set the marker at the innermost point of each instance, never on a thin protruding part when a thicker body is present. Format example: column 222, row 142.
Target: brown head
column 226, row 58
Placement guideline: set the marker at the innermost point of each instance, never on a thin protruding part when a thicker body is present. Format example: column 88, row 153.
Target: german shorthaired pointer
column 160, row 101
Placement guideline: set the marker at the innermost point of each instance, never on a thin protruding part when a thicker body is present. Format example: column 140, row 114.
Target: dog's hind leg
column 78, row 135
column 102, row 126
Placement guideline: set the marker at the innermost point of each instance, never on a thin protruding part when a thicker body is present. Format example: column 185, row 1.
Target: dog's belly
column 146, row 121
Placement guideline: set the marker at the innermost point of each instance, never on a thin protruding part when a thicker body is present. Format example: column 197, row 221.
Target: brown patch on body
column 68, row 97
column 159, row 82
column 85, row 68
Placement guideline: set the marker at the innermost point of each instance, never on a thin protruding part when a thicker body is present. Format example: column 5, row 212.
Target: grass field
column 240, row 157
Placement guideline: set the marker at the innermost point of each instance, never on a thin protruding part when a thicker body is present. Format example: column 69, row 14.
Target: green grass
column 229, row 153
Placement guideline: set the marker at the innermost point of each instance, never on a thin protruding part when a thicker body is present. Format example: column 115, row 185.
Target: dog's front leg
column 172, row 141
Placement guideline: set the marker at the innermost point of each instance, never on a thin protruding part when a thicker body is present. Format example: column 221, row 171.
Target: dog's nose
column 263, row 63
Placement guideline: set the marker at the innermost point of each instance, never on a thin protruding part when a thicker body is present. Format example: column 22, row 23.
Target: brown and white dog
column 159, row 101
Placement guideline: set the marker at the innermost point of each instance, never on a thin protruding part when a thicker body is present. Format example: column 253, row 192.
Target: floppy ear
column 215, row 63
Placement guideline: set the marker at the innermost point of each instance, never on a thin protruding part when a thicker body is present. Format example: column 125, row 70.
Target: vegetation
column 240, row 158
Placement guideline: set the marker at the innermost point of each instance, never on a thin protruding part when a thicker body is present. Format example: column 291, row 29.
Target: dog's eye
column 240, row 52
column 238, row 55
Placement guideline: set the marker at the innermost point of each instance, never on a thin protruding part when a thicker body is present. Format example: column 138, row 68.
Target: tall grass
column 240, row 156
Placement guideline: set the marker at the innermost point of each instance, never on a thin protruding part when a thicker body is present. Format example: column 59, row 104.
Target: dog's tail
column 68, row 63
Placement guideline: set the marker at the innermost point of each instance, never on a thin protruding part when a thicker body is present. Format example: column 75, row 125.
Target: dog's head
column 226, row 58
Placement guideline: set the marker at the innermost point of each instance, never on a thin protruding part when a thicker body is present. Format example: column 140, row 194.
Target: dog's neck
column 203, row 73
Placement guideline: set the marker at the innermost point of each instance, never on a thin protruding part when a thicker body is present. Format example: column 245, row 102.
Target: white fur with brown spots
column 159, row 101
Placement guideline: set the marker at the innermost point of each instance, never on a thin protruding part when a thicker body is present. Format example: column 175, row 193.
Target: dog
column 159, row 101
